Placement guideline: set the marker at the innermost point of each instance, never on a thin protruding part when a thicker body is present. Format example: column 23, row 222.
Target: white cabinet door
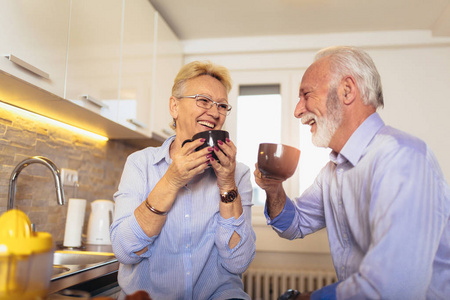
column 137, row 66
column 93, row 64
column 33, row 41
column 169, row 59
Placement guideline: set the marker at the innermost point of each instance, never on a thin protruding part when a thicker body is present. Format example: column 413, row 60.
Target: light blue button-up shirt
column 190, row 258
column 385, row 204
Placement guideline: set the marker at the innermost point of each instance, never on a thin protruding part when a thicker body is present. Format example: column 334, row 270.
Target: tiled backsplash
column 99, row 165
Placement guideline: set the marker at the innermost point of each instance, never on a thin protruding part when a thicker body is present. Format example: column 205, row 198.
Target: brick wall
column 99, row 165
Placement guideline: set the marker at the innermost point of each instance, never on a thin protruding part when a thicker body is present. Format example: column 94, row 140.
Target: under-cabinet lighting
column 40, row 118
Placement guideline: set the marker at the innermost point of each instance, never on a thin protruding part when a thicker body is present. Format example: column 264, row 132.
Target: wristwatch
column 290, row 295
column 229, row 196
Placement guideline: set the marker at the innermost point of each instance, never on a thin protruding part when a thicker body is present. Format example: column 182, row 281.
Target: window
column 258, row 121
column 312, row 159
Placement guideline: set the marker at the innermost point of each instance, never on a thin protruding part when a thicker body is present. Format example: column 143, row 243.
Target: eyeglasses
column 206, row 103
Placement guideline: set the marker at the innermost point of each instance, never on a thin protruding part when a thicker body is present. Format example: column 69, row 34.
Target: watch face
column 232, row 195
column 229, row 196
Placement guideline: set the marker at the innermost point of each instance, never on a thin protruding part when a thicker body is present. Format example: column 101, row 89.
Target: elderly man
column 382, row 197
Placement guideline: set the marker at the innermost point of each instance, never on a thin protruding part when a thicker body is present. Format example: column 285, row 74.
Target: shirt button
column 187, row 246
column 188, row 273
column 186, row 215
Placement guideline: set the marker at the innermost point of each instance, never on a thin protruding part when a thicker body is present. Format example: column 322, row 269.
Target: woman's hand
column 187, row 163
column 225, row 170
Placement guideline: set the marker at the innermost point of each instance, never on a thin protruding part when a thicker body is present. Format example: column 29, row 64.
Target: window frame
column 289, row 81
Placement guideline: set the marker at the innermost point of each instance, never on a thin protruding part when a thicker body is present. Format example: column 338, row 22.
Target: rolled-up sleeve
column 300, row 217
column 127, row 237
column 238, row 259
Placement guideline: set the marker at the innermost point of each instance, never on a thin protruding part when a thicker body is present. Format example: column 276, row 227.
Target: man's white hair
column 352, row 61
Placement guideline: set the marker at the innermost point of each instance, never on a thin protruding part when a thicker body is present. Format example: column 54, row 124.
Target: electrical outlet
column 69, row 177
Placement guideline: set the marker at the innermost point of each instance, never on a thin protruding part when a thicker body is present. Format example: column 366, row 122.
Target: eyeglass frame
column 211, row 101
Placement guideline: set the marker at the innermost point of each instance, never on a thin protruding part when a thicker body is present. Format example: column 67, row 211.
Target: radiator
column 269, row 284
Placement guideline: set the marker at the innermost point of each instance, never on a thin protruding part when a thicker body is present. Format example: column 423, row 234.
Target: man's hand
column 275, row 194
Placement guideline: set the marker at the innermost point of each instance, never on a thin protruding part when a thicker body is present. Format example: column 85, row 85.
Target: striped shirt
column 386, row 206
column 190, row 258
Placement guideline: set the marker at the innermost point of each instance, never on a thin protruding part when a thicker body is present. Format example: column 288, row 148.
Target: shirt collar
column 163, row 151
column 359, row 140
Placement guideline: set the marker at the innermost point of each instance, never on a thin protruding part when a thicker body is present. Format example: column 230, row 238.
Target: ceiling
column 200, row 19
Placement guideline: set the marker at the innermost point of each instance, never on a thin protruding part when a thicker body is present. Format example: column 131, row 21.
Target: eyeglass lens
column 205, row 102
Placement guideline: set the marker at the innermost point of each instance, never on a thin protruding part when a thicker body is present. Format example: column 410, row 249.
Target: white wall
column 415, row 72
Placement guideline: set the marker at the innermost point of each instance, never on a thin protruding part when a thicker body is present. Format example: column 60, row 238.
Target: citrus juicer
column 26, row 258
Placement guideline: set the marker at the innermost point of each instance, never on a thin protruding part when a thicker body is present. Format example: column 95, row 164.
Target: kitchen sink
column 67, row 257
column 76, row 266
column 59, row 269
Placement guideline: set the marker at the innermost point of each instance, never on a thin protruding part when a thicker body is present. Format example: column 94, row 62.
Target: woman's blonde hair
column 195, row 69
column 198, row 68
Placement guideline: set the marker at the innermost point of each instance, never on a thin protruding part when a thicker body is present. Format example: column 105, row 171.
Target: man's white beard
column 328, row 124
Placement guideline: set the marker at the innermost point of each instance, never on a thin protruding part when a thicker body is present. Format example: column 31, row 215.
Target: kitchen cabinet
column 168, row 61
column 138, row 44
column 152, row 56
column 106, row 66
column 93, row 58
column 33, row 42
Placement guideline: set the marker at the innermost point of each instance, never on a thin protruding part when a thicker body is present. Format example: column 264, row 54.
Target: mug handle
column 186, row 141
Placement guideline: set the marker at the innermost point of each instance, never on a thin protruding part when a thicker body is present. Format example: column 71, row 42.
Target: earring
column 174, row 124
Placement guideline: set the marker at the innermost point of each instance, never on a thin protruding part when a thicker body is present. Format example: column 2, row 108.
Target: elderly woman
column 175, row 233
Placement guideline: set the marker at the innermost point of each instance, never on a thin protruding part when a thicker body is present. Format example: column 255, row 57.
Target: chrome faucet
column 32, row 160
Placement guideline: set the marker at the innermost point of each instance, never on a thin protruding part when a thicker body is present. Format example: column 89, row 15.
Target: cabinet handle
column 95, row 101
column 27, row 66
column 137, row 123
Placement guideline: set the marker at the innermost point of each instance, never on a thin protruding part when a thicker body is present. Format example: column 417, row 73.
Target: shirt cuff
column 231, row 223
column 326, row 293
column 137, row 240
column 284, row 219
column 226, row 229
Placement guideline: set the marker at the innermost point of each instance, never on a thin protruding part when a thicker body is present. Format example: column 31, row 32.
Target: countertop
column 78, row 274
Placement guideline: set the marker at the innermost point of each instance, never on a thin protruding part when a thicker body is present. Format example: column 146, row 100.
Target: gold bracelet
column 154, row 210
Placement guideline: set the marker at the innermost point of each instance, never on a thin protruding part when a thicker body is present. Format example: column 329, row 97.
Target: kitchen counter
column 77, row 275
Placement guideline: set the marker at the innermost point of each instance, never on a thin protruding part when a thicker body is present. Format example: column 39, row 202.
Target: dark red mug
column 211, row 137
